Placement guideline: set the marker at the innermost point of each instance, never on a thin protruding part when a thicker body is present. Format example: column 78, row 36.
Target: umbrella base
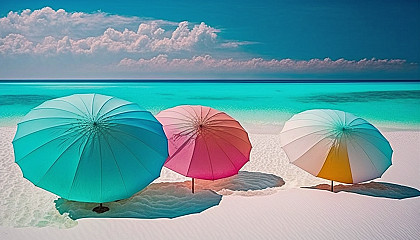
column 100, row 209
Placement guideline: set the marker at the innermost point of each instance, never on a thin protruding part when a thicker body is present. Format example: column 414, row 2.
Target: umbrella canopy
column 336, row 145
column 203, row 142
column 90, row 147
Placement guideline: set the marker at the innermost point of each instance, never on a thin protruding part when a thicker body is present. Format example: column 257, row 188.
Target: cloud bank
column 49, row 32
column 38, row 24
column 207, row 62
column 148, row 38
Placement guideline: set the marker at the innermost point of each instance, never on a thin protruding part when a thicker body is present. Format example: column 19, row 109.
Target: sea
column 386, row 104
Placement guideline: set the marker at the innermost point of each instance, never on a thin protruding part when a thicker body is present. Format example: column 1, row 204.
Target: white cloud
column 38, row 24
column 235, row 44
column 15, row 44
column 50, row 32
column 208, row 63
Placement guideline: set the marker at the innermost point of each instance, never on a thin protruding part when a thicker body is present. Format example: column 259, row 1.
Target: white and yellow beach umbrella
column 336, row 145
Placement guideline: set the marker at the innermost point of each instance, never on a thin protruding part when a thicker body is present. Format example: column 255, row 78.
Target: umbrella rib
column 333, row 142
column 224, row 126
column 230, row 160
column 368, row 129
column 180, row 148
column 208, row 154
column 291, row 129
column 145, row 129
column 116, row 114
column 78, row 109
column 58, row 158
column 207, row 114
column 78, row 164
column 230, row 144
column 187, row 131
column 374, row 166
column 42, row 130
column 345, row 118
column 167, row 111
column 313, row 120
column 360, row 131
column 179, row 129
column 189, row 116
column 116, row 163
column 123, row 105
column 214, row 115
column 185, row 124
column 40, row 147
column 138, row 119
column 60, row 109
column 243, row 140
column 170, row 117
column 87, row 110
column 310, row 134
column 138, row 140
column 192, row 117
column 183, row 130
column 328, row 114
column 312, row 113
column 241, row 129
column 336, row 141
column 93, row 103
column 135, row 156
column 201, row 114
column 192, row 157
column 222, row 120
column 195, row 114
column 355, row 120
column 373, row 144
column 101, row 159
column 313, row 145
column 339, row 118
column 214, row 132
column 103, row 104
column 363, row 123
column 44, row 118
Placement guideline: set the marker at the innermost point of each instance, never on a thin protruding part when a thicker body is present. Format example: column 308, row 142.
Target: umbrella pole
column 192, row 185
column 332, row 186
column 100, row 209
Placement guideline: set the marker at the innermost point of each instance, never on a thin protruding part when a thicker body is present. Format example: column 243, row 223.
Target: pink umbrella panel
column 203, row 142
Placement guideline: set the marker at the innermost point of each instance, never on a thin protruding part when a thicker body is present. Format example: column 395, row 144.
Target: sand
column 268, row 199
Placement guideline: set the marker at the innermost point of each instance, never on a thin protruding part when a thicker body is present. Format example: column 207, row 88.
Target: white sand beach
column 268, row 199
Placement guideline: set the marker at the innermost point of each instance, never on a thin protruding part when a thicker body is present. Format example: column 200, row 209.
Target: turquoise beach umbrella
column 90, row 147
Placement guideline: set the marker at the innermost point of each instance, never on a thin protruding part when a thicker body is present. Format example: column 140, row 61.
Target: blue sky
column 283, row 39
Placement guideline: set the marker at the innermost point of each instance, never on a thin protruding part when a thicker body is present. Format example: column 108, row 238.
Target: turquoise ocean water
column 386, row 104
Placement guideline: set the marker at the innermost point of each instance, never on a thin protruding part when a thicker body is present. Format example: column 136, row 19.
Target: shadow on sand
column 243, row 181
column 158, row 200
column 171, row 199
column 374, row 189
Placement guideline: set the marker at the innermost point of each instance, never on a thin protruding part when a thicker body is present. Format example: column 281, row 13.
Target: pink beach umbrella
column 203, row 142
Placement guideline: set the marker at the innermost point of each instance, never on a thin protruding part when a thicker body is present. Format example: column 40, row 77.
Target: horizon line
column 186, row 80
